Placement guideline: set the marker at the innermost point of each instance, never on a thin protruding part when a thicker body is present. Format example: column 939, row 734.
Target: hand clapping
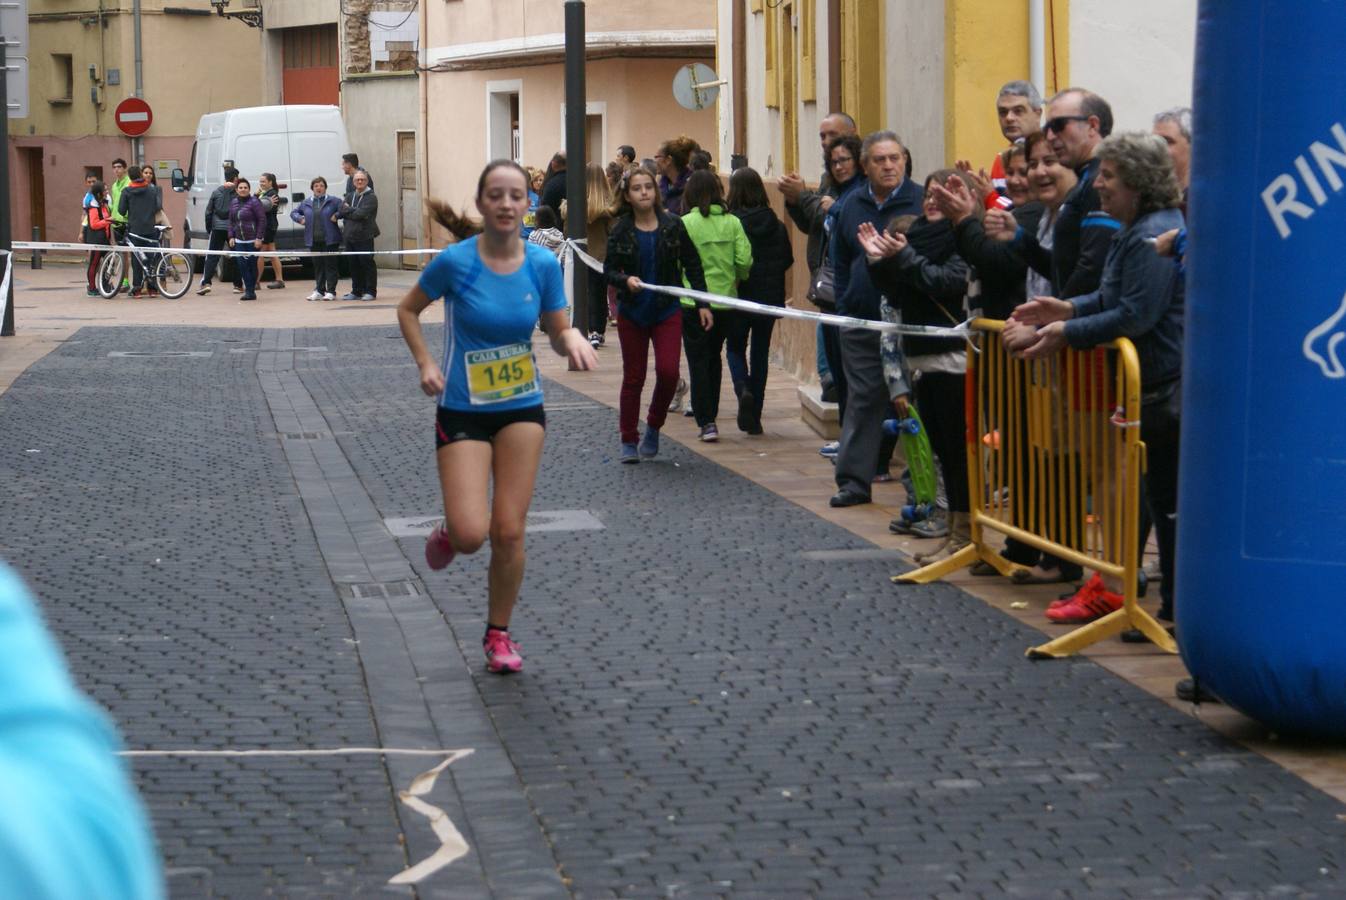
column 879, row 244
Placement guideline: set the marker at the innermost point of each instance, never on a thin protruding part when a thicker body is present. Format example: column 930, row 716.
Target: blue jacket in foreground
column 1141, row 298
column 71, row 824
column 315, row 210
column 855, row 292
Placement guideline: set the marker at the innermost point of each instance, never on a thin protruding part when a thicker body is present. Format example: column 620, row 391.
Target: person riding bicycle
column 139, row 203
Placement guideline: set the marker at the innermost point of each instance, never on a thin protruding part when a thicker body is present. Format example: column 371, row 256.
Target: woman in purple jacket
column 247, row 228
column 318, row 215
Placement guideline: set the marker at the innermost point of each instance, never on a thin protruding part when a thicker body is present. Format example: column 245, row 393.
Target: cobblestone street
column 723, row 693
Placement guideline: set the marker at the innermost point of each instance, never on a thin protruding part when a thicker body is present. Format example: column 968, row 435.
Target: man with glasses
column 885, row 194
column 809, row 210
column 1077, row 122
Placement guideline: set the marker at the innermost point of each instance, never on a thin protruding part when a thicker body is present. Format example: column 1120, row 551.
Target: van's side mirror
column 179, row 181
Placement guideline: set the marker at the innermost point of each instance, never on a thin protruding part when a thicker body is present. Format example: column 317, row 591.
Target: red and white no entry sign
column 133, row 116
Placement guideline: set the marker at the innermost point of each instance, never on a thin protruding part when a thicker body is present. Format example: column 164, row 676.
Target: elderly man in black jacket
column 887, row 194
column 361, row 217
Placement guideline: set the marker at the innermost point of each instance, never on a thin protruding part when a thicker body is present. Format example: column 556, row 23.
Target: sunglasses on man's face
column 1059, row 123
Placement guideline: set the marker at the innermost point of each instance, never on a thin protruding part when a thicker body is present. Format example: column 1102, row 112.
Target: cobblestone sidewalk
column 724, row 695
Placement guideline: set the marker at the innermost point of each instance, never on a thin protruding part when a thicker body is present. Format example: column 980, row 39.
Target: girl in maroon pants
column 647, row 246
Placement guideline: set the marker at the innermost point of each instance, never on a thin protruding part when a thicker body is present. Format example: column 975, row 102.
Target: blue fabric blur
column 71, row 824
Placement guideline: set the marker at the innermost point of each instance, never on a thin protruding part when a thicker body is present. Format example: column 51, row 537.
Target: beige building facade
column 495, row 83
column 82, row 63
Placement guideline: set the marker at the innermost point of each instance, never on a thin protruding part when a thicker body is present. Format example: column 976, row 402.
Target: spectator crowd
column 1067, row 237
column 130, row 211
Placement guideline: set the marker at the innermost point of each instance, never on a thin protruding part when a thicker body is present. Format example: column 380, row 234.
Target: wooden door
column 408, row 198
column 37, row 194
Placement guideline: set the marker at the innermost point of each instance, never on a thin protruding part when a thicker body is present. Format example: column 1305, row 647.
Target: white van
column 295, row 143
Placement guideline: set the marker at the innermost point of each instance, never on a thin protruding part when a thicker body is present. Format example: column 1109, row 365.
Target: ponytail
column 456, row 223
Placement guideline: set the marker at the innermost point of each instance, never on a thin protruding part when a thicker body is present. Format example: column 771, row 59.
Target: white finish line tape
column 780, row 312
column 568, row 256
column 452, row 845
column 190, row 251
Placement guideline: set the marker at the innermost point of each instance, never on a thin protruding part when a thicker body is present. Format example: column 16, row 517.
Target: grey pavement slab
column 723, row 694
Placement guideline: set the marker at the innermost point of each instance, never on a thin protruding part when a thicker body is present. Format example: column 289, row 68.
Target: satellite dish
column 696, row 86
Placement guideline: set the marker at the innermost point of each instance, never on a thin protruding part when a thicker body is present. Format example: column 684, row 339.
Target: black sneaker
column 745, row 416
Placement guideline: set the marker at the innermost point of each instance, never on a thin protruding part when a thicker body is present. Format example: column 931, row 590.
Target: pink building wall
column 63, row 163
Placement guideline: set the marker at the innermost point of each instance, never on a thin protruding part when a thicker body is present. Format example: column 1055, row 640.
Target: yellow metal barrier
column 1055, row 461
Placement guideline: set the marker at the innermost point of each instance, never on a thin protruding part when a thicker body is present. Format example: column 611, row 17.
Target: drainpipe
column 739, row 40
column 138, row 144
column 1037, row 42
column 423, row 140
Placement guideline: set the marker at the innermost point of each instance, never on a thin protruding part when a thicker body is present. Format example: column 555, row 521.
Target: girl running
column 490, row 422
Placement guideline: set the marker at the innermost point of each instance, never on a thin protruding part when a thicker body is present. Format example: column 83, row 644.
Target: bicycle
column 170, row 273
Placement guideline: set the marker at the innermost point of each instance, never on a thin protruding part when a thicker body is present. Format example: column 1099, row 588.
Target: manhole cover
column 552, row 520
column 385, row 590
column 162, row 354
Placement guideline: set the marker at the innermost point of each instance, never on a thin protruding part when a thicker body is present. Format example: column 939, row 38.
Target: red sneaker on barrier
column 439, row 551
column 1092, row 586
column 1082, row 609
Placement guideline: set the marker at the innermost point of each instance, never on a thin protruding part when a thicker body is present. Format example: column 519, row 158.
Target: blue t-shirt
column 71, row 824
column 648, row 308
column 488, row 325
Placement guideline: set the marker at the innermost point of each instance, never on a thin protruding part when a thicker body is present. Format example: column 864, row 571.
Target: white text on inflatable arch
column 1281, row 197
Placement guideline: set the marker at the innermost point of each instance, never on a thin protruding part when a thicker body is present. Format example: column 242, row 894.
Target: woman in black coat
column 749, row 343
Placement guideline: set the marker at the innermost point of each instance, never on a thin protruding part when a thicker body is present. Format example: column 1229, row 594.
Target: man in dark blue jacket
column 887, row 194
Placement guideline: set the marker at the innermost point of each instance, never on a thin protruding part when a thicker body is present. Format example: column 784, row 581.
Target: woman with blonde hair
column 598, row 201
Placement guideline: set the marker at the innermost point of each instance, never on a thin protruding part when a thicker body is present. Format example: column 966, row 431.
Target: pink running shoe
column 439, row 551
column 502, row 654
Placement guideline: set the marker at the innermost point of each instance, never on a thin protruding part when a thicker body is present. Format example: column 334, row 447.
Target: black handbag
column 822, row 290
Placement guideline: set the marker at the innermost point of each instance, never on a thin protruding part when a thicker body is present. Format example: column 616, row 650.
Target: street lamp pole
column 577, row 217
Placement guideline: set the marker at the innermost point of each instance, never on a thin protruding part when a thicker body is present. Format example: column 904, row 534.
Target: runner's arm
column 409, row 320
column 567, row 341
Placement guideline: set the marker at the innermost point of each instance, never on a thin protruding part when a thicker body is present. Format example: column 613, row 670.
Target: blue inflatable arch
column 1261, row 582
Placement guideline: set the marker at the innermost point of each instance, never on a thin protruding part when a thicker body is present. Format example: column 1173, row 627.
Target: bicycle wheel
column 110, row 273
column 173, row 274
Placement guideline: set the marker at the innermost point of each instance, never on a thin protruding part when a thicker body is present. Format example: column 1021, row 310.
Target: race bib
column 500, row 373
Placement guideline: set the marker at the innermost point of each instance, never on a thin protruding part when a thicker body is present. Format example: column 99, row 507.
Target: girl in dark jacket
column 647, row 246
column 318, row 215
column 921, row 275
column 749, row 342
column 97, row 231
column 247, row 227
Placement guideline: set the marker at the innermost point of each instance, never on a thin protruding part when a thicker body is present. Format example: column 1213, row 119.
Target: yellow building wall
column 986, row 45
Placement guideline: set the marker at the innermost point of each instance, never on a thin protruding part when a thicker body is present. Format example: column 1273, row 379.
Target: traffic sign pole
column 7, row 326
